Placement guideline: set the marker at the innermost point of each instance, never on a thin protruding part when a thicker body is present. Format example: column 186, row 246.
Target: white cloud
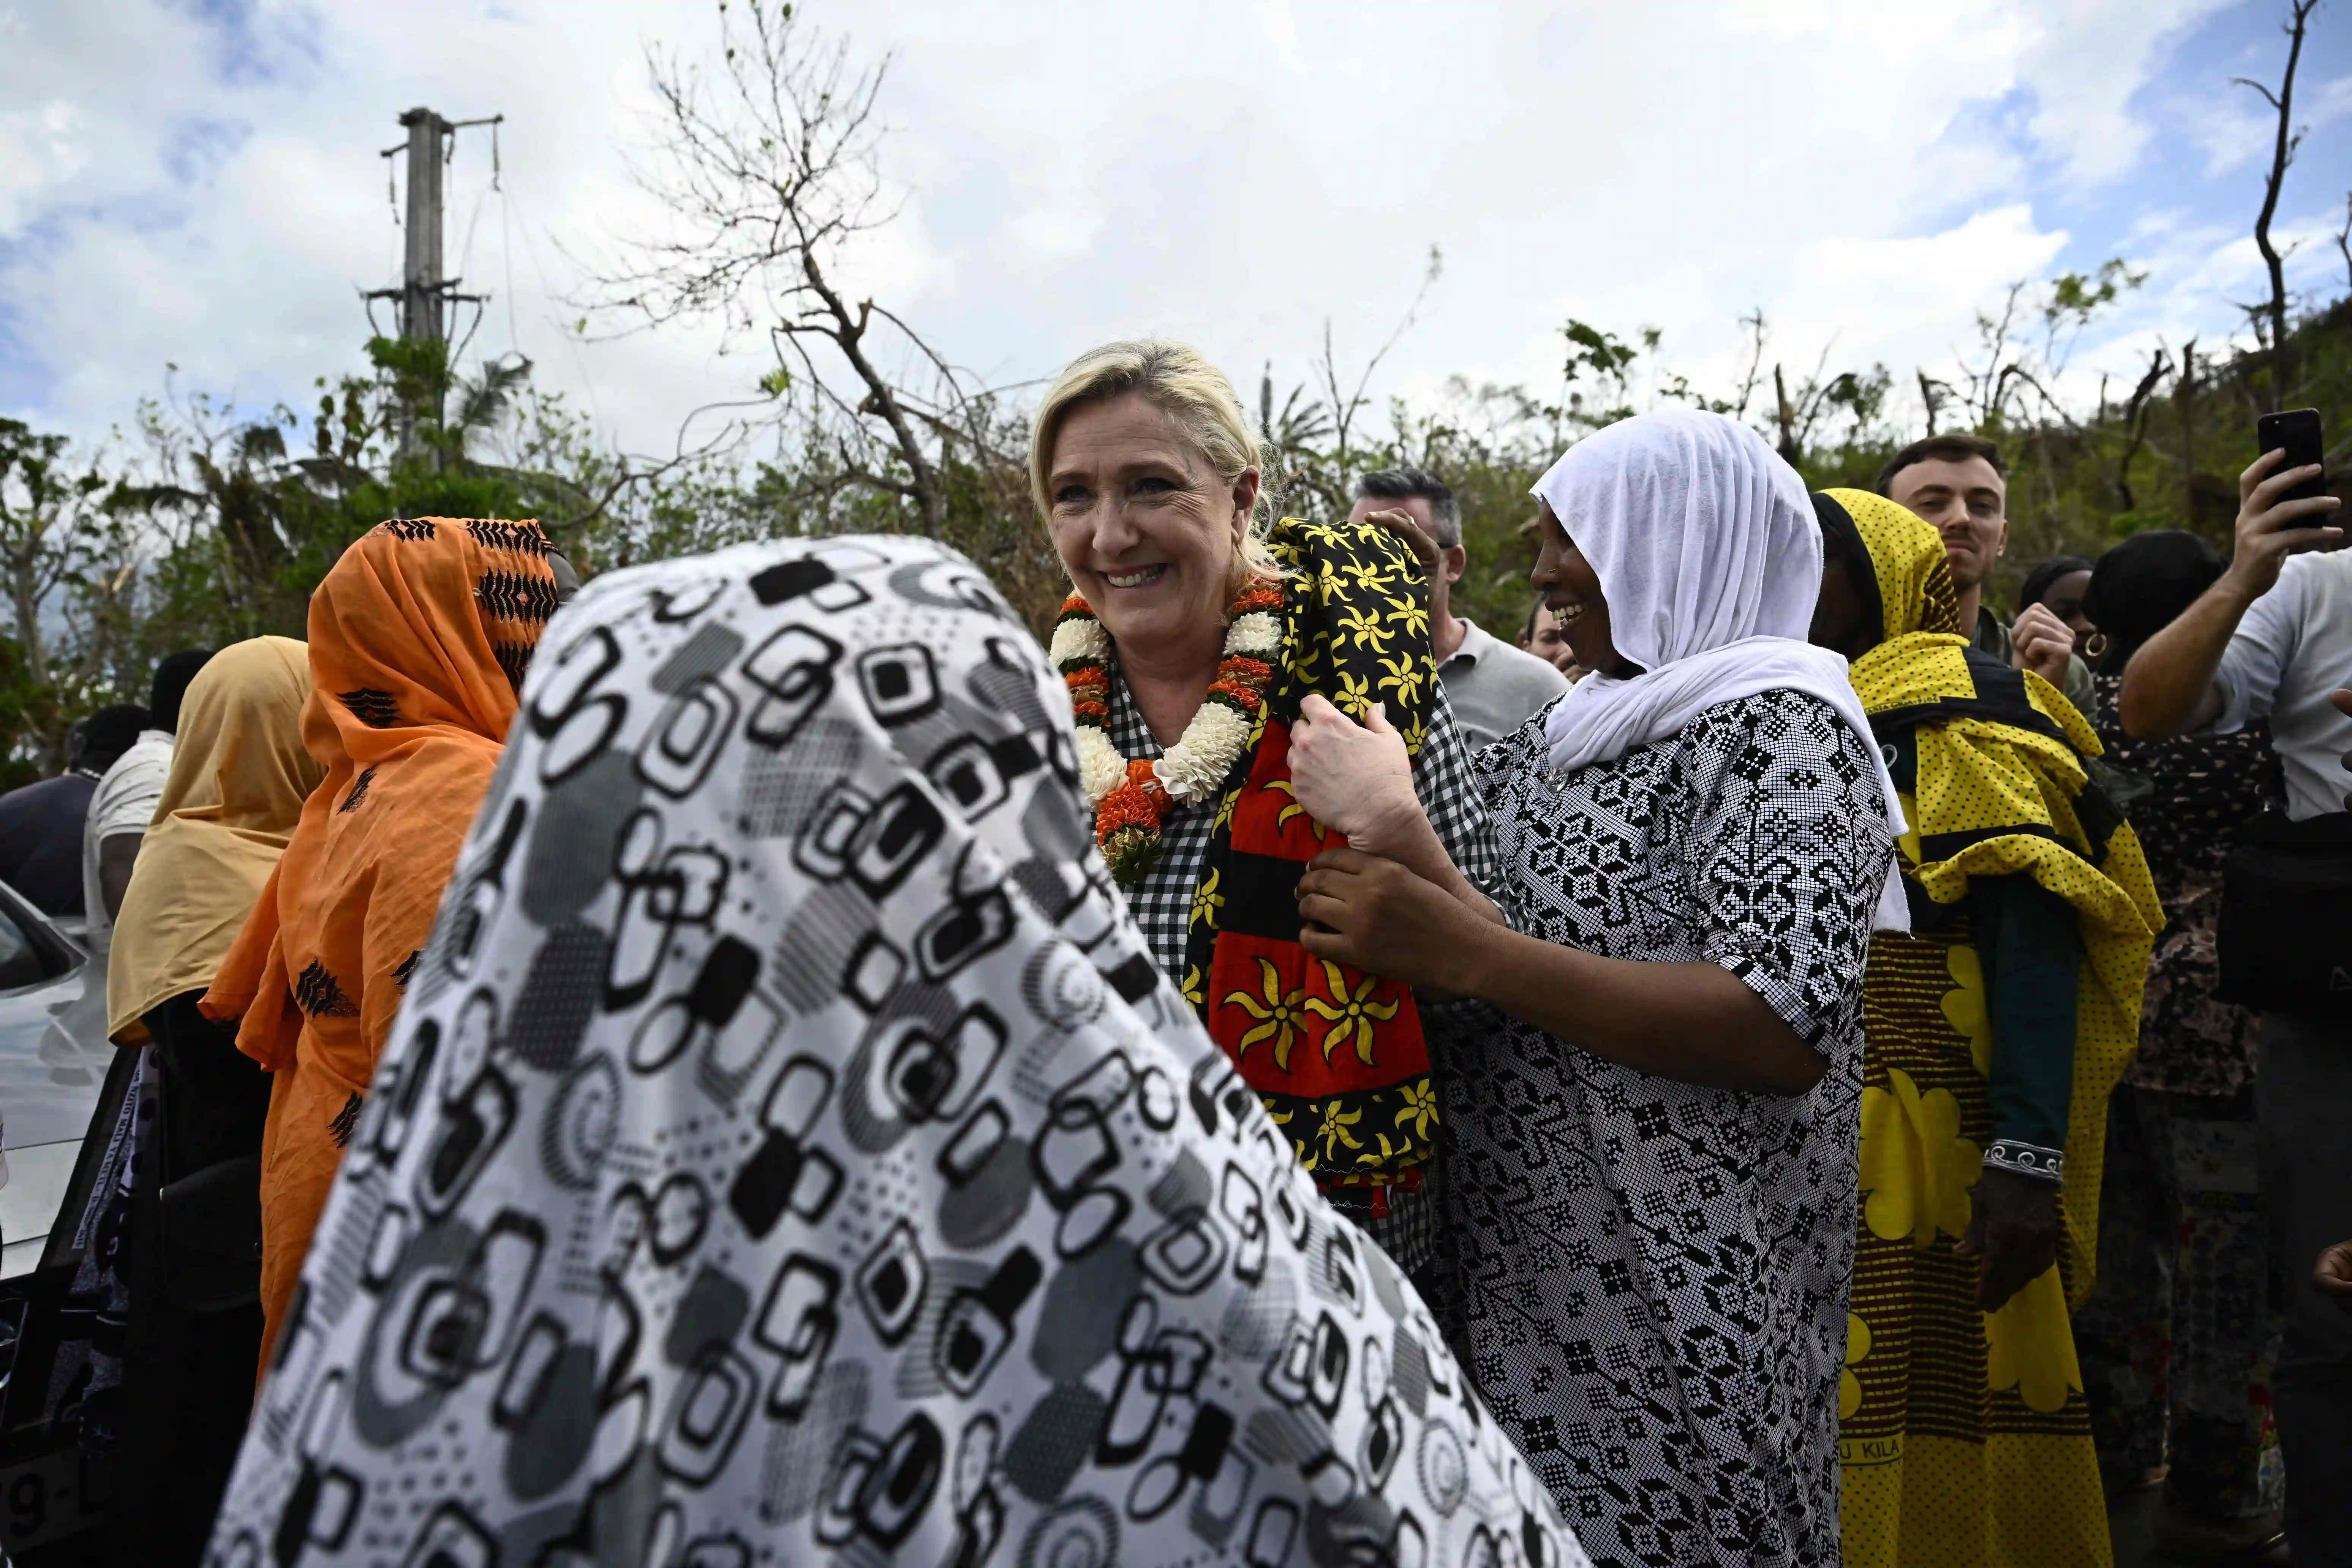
column 38, row 154
column 1234, row 170
column 2240, row 131
column 1893, row 297
column 2088, row 63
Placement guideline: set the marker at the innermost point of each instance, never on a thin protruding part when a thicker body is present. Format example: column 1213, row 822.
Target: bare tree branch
column 770, row 167
column 2343, row 240
column 1345, row 407
column 1931, row 394
column 2282, row 155
column 1753, row 323
column 2135, row 423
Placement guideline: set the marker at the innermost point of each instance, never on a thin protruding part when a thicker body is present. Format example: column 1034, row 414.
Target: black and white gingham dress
column 1161, row 904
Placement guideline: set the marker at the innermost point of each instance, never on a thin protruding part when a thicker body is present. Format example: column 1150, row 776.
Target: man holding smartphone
column 2273, row 637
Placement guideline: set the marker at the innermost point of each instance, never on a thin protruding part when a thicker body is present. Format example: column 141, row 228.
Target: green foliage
column 2080, row 479
column 2075, row 298
column 218, row 523
column 222, row 522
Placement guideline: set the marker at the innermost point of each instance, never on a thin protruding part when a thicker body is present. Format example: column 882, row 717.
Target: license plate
column 50, row 1498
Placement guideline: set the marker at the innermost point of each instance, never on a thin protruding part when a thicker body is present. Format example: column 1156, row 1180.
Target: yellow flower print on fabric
column 1334, row 1130
column 1279, row 1017
column 1420, row 1109
column 1857, row 1346
column 2028, row 1346
column 1352, row 1015
column 1917, row 1169
column 1207, row 900
column 1282, row 818
column 1965, row 1008
column 1411, row 618
column 1284, row 1118
column 1403, row 678
column 1366, row 627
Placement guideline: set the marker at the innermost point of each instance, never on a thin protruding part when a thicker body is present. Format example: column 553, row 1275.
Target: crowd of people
column 1777, row 1064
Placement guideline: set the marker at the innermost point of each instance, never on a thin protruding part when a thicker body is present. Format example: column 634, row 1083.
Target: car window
column 20, row 961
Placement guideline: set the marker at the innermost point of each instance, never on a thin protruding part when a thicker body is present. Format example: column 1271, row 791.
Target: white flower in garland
column 1077, row 637
column 1100, row 767
column 1257, row 634
column 1192, row 768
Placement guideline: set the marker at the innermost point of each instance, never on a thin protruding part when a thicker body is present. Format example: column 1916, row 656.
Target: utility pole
column 421, row 315
column 425, row 294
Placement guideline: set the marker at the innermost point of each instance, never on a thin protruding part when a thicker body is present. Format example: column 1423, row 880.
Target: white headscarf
column 788, row 1152
column 1710, row 561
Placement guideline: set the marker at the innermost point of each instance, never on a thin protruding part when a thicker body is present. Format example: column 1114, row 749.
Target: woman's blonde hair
column 1194, row 392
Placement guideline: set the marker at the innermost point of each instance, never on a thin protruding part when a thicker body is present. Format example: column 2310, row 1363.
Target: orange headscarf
column 419, row 638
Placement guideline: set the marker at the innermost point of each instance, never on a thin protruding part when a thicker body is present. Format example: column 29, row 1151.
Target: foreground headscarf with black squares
column 789, row 1153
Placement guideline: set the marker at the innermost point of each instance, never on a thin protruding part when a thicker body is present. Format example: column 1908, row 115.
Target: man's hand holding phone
column 2270, row 529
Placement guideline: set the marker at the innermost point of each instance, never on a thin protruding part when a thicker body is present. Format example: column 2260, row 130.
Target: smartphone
column 2296, row 430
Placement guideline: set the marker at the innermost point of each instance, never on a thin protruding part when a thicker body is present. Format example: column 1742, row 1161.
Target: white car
column 53, row 1059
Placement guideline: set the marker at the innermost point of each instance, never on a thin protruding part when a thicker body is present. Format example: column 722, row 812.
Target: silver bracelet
column 2026, row 1160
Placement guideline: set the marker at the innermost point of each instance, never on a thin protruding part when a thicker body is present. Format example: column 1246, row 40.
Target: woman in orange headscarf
column 419, row 638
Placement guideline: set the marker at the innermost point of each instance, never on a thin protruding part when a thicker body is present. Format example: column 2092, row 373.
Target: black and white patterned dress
column 1655, row 1274
column 788, row 1154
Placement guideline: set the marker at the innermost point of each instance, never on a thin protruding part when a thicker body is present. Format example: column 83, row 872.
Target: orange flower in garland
column 1128, row 822
column 1131, row 797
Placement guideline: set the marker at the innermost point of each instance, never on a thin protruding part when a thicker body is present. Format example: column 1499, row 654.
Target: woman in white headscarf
column 1653, row 1203
column 788, row 1152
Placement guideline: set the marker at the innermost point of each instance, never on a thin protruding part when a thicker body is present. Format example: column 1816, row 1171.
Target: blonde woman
column 1195, row 629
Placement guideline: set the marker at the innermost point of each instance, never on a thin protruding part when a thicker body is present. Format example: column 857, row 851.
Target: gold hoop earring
column 2096, row 646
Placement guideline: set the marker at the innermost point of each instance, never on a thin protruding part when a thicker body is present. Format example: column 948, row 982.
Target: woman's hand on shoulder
column 1354, row 778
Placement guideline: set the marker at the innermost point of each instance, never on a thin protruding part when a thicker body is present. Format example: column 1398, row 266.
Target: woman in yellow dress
column 1993, row 1035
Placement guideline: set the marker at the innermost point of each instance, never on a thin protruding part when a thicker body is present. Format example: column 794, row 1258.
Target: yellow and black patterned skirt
column 1964, row 1438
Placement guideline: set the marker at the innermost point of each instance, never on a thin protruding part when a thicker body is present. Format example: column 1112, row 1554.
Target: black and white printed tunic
column 788, row 1153
column 1655, row 1274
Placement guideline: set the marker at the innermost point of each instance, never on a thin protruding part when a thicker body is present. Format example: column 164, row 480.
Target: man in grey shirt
column 1492, row 686
column 2272, row 638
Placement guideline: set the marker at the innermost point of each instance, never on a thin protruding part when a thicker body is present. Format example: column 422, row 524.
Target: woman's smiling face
column 1572, row 592
column 1148, row 531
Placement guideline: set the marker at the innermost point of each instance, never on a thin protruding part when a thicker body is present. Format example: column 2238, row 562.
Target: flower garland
column 1131, row 797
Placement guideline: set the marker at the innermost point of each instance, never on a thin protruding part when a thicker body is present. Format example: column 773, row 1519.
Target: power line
column 547, row 291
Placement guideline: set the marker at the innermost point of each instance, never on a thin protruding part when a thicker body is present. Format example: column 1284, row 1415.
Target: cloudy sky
column 197, row 182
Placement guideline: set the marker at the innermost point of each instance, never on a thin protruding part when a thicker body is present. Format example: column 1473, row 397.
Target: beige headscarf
column 239, row 776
